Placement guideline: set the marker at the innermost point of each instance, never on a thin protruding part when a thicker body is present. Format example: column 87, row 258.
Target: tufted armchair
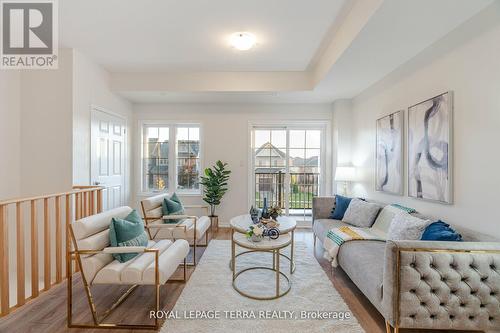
column 442, row 285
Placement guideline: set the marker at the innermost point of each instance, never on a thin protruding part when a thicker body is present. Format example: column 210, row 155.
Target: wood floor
column 47, row 314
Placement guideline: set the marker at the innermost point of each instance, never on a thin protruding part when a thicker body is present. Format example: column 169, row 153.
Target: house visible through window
column 168, row 167
column 188, row 157
column 287, row 166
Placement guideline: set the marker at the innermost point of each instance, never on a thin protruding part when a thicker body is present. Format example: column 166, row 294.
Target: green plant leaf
column 215, row 184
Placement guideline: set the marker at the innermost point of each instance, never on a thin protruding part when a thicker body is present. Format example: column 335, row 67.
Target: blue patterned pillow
column 440, row 231
column 341, row 204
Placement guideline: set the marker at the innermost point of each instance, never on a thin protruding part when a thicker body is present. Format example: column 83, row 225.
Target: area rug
column 209, row 303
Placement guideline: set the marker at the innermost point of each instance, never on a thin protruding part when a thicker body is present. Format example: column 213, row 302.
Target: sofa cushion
column 469, row 235
column 93, row 224
column 322, row 226
column 141, row 269
column 361, row 213
column 110, row 273
column 133, row 272
column 168, row 261
column 383, row 222
column 407, row 227
column 202, row 226
column 363, row 261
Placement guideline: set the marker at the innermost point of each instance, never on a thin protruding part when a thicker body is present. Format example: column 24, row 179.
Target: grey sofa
column 422, row 284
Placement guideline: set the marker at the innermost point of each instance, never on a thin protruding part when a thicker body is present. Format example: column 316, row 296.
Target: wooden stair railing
column 52, row 214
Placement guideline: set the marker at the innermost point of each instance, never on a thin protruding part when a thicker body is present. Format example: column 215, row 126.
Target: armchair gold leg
column 69, row 304
column 389, row 329
column 194, row 250
column 157, row 285
column 184, row 269
column 117, row 303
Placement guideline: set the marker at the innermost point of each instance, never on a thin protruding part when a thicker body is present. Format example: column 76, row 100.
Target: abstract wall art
column 429, row 149
column 389, row 154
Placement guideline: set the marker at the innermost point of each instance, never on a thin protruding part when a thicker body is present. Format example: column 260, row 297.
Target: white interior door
column 108, row 157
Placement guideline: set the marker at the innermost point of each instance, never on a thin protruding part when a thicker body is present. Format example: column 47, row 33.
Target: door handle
column 97, row 183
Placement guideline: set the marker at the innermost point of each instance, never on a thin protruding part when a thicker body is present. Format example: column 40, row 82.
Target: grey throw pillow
column 361, row 213
column 407, row 227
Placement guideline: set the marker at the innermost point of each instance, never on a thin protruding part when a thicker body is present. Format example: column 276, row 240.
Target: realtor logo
column 29, row 34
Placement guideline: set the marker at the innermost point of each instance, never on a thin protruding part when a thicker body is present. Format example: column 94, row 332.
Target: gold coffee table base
column 292, row 263
column 262, row 298
column 272, row 246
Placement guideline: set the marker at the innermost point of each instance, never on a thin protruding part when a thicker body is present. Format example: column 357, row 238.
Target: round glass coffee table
column 287, row 225
column 266, row 245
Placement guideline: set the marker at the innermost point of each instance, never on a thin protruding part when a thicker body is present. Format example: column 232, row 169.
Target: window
column 288, row 166
column 188, row 158
column 170, row 158
column 155, row 158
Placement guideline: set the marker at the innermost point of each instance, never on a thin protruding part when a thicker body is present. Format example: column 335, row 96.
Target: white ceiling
column 191, row 35
column 396, row 33
column 309, row 51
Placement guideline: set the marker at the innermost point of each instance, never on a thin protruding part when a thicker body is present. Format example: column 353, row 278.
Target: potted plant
column 275, row 211
column 214, row 187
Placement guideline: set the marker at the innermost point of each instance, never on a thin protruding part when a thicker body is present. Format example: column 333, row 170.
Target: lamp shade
column 345, row 174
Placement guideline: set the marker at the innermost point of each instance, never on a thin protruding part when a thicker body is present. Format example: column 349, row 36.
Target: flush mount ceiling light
column 242, row 41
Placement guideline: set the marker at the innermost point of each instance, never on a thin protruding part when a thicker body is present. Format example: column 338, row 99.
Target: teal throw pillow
column 127, row 232
column 172, row 206
column 406, row 209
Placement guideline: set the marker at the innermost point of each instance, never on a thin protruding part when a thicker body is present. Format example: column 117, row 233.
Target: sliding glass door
column 287, row 167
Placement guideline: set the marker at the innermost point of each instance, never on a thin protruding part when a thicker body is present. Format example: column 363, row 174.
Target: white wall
column 91, row 89
column 225, row 137
column 10, row 120
column 466, row 62
column 45, row 125
column 46, row 128
column 45, row 133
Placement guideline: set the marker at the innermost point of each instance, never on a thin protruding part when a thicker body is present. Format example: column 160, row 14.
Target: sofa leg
column 314, row 241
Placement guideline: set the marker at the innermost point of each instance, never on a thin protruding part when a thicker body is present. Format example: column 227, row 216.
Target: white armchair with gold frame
column 190, row 227
column 154, row 265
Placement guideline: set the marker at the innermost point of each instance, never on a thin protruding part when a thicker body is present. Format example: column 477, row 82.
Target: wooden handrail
column 57, row 211
column 84, row 187
column 76, row 189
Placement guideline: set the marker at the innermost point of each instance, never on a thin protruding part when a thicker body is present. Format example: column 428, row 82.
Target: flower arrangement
column 275, row 211
column 255, row 232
